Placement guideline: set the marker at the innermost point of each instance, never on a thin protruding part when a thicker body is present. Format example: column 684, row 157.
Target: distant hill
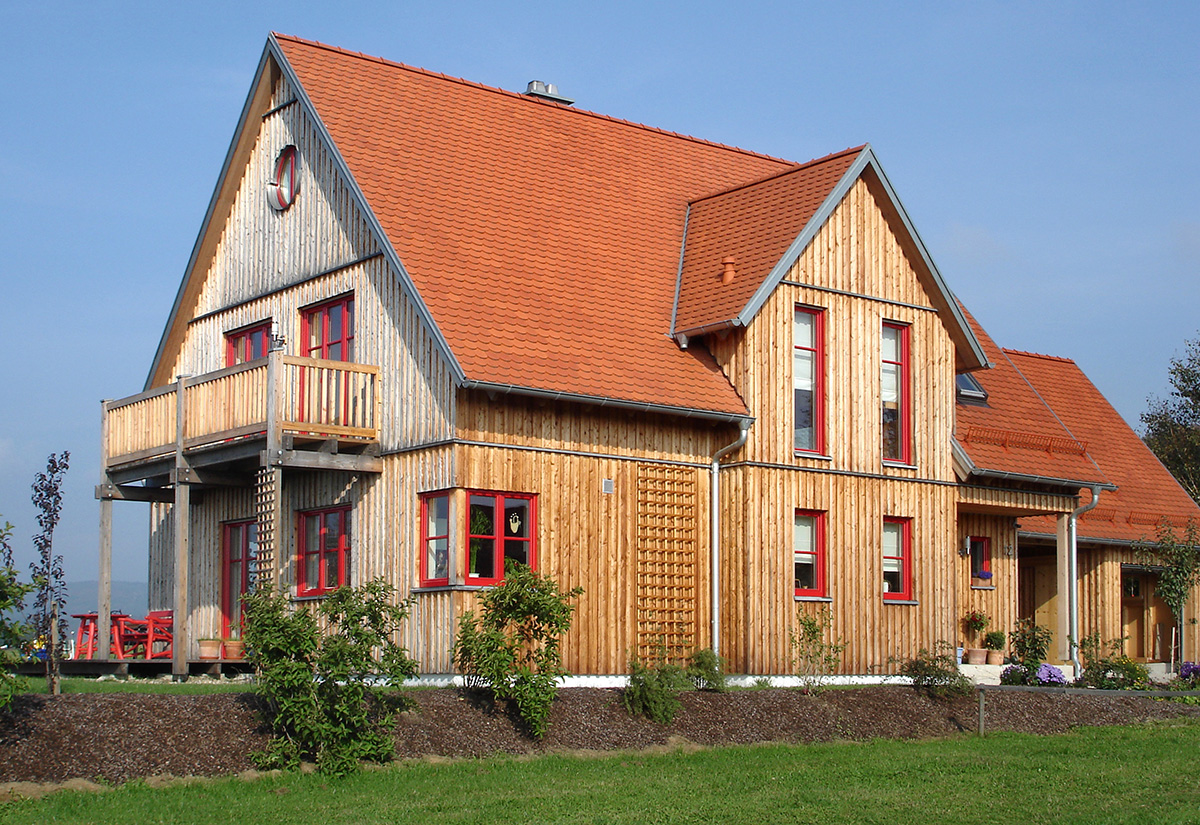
column 127, row 597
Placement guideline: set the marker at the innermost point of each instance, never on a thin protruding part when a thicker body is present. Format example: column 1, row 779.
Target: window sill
column 311, row 597
column 813, row 599
column 900, row 601
column 983, row 587
column 813, row 456
column 447, row 588
column 899, row 465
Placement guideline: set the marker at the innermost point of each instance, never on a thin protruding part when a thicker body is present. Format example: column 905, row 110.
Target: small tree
column 12, row 630
column 1173, row 425
column 815, row 653
column 512, row 647
column 1179, row 559
column 48, row 622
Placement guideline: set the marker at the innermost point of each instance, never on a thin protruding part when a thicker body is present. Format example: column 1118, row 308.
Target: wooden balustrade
column 312, row 397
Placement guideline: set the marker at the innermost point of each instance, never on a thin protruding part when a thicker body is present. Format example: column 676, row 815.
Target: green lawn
column 37, row 684
column 1147, row 774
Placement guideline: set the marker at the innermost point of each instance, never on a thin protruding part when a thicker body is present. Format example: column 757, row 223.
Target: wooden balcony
column 280, row 410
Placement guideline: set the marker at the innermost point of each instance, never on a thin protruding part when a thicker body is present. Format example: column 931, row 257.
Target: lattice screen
column 666, row 560
column 266, row 494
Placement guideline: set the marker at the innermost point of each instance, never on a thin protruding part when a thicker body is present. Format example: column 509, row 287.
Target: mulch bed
column 116, row 737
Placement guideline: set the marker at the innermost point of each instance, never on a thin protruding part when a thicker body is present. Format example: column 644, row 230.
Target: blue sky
column 1046, row 154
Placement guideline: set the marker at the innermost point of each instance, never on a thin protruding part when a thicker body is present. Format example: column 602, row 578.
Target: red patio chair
column 160, row 630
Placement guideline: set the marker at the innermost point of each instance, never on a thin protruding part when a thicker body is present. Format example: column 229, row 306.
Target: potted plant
column 994, row 643
column 210, row 648
column 975, row 621
column 235, row 649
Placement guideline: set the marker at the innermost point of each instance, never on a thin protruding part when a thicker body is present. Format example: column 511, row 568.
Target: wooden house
column 429, row 325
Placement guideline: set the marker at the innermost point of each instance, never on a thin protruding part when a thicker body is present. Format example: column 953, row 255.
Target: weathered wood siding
column 998, row 599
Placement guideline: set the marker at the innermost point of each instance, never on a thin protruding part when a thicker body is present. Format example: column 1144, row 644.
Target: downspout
column 1073, row 577
column 714, row 508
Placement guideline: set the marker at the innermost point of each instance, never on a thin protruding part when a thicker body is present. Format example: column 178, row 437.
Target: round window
column 284, row 185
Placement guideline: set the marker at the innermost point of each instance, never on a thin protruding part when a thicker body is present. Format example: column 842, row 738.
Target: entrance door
column 240, row 549
column 1146, row 621
column 1037, row 596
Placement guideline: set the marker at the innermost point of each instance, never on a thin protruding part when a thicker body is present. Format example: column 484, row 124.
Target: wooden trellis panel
column 666, row 560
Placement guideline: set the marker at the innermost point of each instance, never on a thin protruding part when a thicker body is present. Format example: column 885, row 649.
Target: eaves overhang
column 960, row 456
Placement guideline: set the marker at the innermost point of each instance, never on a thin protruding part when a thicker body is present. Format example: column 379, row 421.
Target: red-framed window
column 500, row 526
column 435, row 539
column 980, row 550
column 323, row 559
column 897, row 558
column 328, row 330
column 247, row 344
column 808, row 379
column 808, row 553
column 239, row 549
column 894, row 391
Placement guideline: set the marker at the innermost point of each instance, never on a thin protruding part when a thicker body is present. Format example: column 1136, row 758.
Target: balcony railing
column 293, row 395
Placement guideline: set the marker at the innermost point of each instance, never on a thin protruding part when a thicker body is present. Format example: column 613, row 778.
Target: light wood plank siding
column 999, row 602
column 978, row 499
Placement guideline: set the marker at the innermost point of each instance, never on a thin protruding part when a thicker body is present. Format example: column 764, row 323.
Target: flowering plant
column 985, row 575
column 976, row 621
column 1190, row 671
column 1049, row 675
column 1014, row 675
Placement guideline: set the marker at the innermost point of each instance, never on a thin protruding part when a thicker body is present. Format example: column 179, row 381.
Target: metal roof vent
column 546, row 91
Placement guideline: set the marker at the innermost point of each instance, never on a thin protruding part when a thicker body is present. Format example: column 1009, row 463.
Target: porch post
column 103, row 637
column 182, row 512
column 1062, row 595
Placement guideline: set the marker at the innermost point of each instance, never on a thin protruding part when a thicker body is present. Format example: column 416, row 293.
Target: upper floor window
column 247, row 344
column 324, row 551
column 808, row 553
column 808, row 379
column 329, row 330
column 897, row 559
column 894, row 384
column 500, row 526
column 435, row 539
column 980, row 550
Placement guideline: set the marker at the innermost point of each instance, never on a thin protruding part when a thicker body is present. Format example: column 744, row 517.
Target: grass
column 37, row 684
column 1146, row 774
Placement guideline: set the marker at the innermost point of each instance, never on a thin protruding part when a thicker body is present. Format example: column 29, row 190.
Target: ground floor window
column 897, row 559
column 239, row 549
column 500, row 527
column 435, row 539
column 980, row 549
column 808, row 553
column 324, row 550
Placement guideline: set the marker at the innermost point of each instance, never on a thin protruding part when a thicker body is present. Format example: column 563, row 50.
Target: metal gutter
column 714, row 508
column 602, row 401
column 1073, row 576
column 687, row 217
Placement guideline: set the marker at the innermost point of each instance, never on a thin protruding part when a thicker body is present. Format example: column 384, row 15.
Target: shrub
column 1014, row 675
column 322, row 690
column 994, row 640
column 513, row 647
column 653, row 689
column 12, row 630
column 1115, row 673
column 707, row 670
column 936, row 674
column 813, row 656
column 1190, row 672
column 1030, row 643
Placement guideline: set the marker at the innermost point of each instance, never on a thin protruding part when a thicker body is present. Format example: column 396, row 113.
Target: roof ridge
column 795, row 167
column 1041, row 355
column 532, row 101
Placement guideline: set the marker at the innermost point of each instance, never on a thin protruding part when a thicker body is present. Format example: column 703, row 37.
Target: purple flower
column 1013, row 675
column 985, row 574
column 1189, row 671
column 1049, row 675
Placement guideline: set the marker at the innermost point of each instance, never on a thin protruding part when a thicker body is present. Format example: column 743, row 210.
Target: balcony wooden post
column 1062, row 595
column 103, row 646
column 181, row 642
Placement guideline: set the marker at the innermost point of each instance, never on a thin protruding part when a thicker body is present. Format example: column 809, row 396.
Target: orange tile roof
column 544, row 239
column 1146, row 490
column 753, row 224
column 1016, row 432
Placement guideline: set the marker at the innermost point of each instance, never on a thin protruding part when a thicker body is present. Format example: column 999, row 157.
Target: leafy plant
column 975, row 621
column 707, row 670
column 47, row 570
column 936, row 673
column 12, row 630
column 815, row 655
column 513, row 647
column 1106, row 668
column 1014, row 675
column 324, row 691
column 1030, row 643
column 1178, row 558
column 653, row 689
column 994, row 640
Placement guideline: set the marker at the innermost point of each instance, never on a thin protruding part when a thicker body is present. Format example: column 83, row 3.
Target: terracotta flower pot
column 235, row 649
column 210, row 648
column 995, row 657
column 976, row 656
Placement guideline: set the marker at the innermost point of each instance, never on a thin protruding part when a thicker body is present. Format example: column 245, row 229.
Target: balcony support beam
column 181, row 642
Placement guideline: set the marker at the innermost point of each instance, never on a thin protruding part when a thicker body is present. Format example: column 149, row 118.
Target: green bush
column 13, row 632
column 815, row 655
column 994, row 640
column 936, row 674
column 324, row 691
column 513, row 647
column 707, row 670
column 1030, row 643
column 653, row 689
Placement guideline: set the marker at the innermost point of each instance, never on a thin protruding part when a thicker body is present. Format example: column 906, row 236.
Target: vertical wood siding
column 999, row 603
